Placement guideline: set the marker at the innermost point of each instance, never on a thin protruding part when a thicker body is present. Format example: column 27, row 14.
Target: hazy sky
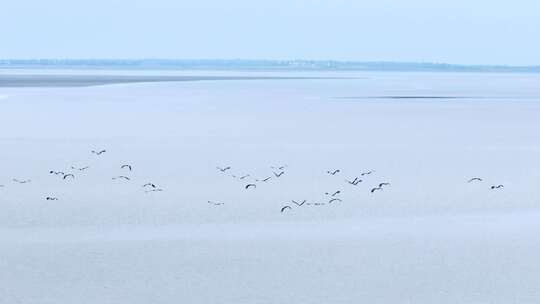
column 454, row 31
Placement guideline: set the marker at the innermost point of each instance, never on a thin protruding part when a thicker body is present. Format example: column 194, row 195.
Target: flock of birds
column 250, row 183
column 331, row 197
column 478, row 179
column 74, row 171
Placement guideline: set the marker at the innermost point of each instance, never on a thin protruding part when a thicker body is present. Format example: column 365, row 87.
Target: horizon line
column 343, row 61
column 255, row 64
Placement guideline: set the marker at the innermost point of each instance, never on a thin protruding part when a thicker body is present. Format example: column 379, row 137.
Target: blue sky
column 457, row 31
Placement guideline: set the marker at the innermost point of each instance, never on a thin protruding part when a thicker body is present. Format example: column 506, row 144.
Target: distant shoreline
column 52, row 81
column 257, row 65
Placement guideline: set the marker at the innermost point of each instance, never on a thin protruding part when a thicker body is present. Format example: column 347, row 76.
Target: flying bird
column 154, row 190
column 264, row 180
column 223, row 169
column 215, row 203
column 497, row 187
column 99, row 152
column 333, row 172
column 250, row 186
column 475, row 179
column 334, row 200
column 354, row 182
column 279, row 174
column 69, row 175
column 376, row 189
column 383, row 184
column 297, row 203
column 21, row 181
column 126, row 166
column 121, row 177
column 279, row 168
column 284, row 208
column 333, row 194
column 315, row 204
column 149, row 185
column 51, row 198
column 367, row 173
column 56, row 172
column 80, row 169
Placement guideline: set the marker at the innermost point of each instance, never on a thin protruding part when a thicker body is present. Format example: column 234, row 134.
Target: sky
column 451, row 31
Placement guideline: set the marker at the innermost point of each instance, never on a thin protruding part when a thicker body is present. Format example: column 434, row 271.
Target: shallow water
column 428, row 237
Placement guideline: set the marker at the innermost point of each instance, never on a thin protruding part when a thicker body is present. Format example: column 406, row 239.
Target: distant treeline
column 240, row 64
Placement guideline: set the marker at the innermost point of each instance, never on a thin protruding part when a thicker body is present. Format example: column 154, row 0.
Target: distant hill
column 240, row 64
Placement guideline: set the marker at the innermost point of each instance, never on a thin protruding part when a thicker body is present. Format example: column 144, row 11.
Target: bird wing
column 299, row 204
